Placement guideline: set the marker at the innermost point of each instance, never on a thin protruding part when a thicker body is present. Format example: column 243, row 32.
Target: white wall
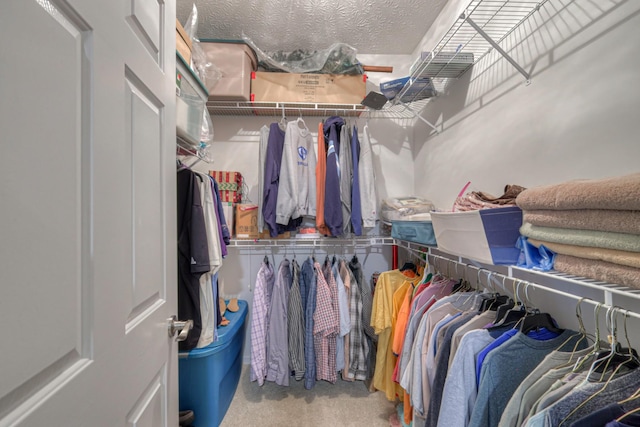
column 579, row 117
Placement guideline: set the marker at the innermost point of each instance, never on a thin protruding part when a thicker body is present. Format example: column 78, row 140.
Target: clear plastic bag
column 206, row 70
column 206, row 132
column 339, row 58
column 408, row 208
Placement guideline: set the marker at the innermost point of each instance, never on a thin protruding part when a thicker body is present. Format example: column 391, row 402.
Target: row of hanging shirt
column 466, row 359
column 336, row 185
column 203, row 236
column 310, row 322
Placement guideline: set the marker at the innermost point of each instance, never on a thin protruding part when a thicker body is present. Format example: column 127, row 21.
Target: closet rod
column 527, row 284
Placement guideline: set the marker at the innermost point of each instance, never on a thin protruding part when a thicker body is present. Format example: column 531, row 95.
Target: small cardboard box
column 247, row 221
column 236, row 61
column 183, row 43
column 309, row 88
column 229, row 184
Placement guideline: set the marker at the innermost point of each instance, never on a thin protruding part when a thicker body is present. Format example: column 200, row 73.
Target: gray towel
column 589, row 238
column 586, row 219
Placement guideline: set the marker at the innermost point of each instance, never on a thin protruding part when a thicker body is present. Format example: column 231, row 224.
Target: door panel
column 87, row 183
column 45, row 199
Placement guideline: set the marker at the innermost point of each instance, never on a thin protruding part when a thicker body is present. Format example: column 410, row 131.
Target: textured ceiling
column 370, row 26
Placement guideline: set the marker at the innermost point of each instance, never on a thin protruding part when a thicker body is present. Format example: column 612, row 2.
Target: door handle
column 180, row 327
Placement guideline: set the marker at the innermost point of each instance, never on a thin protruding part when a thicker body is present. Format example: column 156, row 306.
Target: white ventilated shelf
column 356, row 242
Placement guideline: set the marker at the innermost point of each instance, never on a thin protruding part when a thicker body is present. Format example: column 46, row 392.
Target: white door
column 87, row 213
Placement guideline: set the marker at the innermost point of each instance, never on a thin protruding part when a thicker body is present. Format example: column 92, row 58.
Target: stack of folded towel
column 593, row 226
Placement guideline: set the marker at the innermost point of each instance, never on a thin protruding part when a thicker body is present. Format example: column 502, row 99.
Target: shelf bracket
column 418, row 116
column 506, row 56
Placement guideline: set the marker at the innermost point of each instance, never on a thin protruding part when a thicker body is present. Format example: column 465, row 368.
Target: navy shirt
column 332, row 202
column 193, row 254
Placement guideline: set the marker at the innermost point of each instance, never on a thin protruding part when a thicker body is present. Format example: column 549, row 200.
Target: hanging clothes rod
column 520, row 283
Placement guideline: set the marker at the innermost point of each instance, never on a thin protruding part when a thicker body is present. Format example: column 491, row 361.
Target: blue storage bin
column 209, row 376
column 486, row 235
column 414, row 231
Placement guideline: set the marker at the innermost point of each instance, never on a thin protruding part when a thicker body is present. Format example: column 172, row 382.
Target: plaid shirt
column 326, row 325
column 358, row 347
column 259, row 319
column 295, row 324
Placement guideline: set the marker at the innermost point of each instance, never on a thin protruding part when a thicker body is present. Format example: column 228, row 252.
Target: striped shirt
column 326, row 325
column 295, row 325
column 277, row 336
column 259, row 318
column 308, row 288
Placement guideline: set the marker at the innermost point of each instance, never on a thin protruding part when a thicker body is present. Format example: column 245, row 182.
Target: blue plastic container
column 209, row 376
column 414, row 231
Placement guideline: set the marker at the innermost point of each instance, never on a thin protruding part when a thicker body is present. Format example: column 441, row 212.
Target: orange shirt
column 321, row 172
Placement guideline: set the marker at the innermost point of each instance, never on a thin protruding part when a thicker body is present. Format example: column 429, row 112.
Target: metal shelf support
column 418, row 116
column 495, row 45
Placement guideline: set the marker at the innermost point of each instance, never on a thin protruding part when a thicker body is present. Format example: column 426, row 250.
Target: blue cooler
column 209, row 376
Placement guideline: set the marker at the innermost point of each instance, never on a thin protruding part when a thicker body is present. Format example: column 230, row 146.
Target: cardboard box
column 247, row 221
column 309, row 88
column 420, row 88
column 229, row 184
column 236, row 61
column 183, row 43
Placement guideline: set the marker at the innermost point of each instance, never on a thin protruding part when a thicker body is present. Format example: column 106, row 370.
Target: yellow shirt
column 382, row 320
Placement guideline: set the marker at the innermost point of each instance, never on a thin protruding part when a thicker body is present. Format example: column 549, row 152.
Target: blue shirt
column 308, row 290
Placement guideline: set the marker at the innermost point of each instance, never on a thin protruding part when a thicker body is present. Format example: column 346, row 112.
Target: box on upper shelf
column 236, row 61
column 444, row 64
column 420, row 88
column 309, row 88
column 183, row 43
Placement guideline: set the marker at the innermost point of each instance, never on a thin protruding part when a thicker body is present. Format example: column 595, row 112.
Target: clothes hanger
column 266, row 260
column 617, row 356
column 515, row 314
column 507, row 305
column 582, row 361
column 612, row 316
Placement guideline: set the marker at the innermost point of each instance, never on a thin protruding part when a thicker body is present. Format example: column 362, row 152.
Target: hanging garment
column 359, row 344
column 381, row 319
column 297, row 188
column 326, row 326
column 210, row 221
column 356, row 208
column 262, row 158
column 368, row 196
column 273, row 162
column 308, row 290
column 332, row 203
column 348, row 281
column 226, row 233
column 346, row 178
column 193, row 254
column 321, row 174
column 277, row 332
column 554, row 360
column 259, row 318
column 295, row 324
column 506, row 366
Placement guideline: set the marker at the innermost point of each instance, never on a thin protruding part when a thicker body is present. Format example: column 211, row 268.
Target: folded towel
column 589, row 238
column 587, row 219
column 630, row 259
column 619, row 193
column 598, row 270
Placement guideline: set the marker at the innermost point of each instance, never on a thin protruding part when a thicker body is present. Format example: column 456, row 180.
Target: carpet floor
column 336, row 405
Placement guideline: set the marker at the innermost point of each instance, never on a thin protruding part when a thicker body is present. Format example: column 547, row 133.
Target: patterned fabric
column 358, row 347
column 326, row 325
column 295, row 324
column 308, row 288
column 259, row 319
column 277, row 335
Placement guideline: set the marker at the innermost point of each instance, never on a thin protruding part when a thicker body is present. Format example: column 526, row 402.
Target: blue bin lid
column 225, row 333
